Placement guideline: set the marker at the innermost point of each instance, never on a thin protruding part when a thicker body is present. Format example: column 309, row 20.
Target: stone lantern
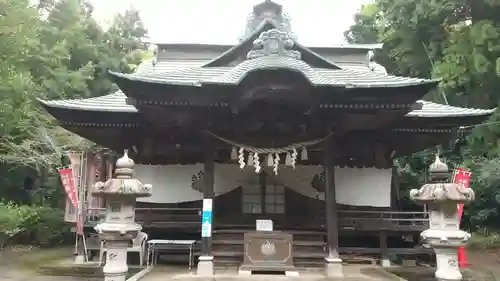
column 444, row 235
column 119, row 227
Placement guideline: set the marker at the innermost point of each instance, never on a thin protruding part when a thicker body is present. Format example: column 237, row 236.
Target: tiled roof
column 430, row 109
column 116, row 102
column 172, row 65
column 233, row 75
column 152, row 65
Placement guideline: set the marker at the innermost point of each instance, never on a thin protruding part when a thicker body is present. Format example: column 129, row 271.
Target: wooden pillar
column 103, row 176
column 205, row 264
column 333, row 262
column 208, row 193
column 262, row 188
column 384, row 251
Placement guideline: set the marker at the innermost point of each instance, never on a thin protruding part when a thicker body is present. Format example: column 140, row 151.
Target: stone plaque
column 268, row 251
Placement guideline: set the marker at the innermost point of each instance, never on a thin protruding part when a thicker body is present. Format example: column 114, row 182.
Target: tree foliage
column 51, row 50
column 14, row 219
column 457, row 41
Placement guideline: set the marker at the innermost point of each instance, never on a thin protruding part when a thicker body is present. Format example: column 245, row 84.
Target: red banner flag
column 463, row 177
column 68, row 183
column 75, row 158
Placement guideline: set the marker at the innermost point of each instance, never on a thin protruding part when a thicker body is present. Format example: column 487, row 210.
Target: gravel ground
column 485, row 263
column 19, row 264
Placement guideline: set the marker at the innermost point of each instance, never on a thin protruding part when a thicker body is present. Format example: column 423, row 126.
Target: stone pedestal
column 205, row 266
column 116, row 261
column 445, row 244
column 334, row 268
column 447, row 264
column 444, row 235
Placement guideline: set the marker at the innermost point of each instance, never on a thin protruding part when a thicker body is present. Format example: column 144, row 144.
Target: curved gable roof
column 234, row 53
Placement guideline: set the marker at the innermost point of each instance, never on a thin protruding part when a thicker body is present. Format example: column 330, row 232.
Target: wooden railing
column 168, row 217
column 94, row 215
column 348, row 220
column 383, row 220
column 155, row 217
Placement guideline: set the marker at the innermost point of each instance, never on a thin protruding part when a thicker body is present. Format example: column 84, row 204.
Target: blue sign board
column 206, row 224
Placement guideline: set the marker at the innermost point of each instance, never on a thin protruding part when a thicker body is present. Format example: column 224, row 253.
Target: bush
column 14, row 219
column 36, row 225
column 49, row 228
column 484, row 240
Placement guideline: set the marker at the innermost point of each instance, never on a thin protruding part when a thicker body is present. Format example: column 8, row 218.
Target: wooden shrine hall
column 270, row 130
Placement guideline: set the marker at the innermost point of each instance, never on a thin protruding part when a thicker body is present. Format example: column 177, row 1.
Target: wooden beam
column 384, row 252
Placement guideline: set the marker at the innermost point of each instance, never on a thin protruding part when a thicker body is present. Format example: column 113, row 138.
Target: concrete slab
column 139, row 275
column 351, row 273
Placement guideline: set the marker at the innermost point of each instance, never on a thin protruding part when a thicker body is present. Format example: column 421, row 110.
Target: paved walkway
column 351, row 272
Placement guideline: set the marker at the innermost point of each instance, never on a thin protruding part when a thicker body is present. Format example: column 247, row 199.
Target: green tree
column 53, row 50
column 459, row 42
column 367, row 26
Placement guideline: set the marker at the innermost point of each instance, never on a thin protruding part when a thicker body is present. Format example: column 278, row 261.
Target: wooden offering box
column 268, row 251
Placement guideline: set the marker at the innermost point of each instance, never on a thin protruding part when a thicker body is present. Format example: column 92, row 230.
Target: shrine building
column 270, row 130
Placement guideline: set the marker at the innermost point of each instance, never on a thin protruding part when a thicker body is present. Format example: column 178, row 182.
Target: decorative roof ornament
column 267, row 7
column 273, row 43
column 373, row 65
column 268, row 11
column 197, row 181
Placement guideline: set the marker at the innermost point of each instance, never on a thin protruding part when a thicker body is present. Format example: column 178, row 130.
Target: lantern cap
column 438, row 166
column 125, row 161
column 123, row 184
column 438, row 171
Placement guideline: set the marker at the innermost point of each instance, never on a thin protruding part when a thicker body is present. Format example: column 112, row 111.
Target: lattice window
column 449, row 214
column 275, row 199
column 115, row 207
column 252, row 200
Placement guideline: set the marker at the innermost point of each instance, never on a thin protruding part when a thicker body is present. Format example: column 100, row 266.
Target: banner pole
column 464, row 179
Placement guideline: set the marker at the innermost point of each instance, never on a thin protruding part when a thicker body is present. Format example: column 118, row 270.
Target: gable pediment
column 238, row 53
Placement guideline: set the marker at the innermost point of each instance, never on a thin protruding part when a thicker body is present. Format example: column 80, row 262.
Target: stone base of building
column 115, row 276
column 246, row 272
column 205, row 266
column 409, row 262
column 385, row 262
column 334, row 268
